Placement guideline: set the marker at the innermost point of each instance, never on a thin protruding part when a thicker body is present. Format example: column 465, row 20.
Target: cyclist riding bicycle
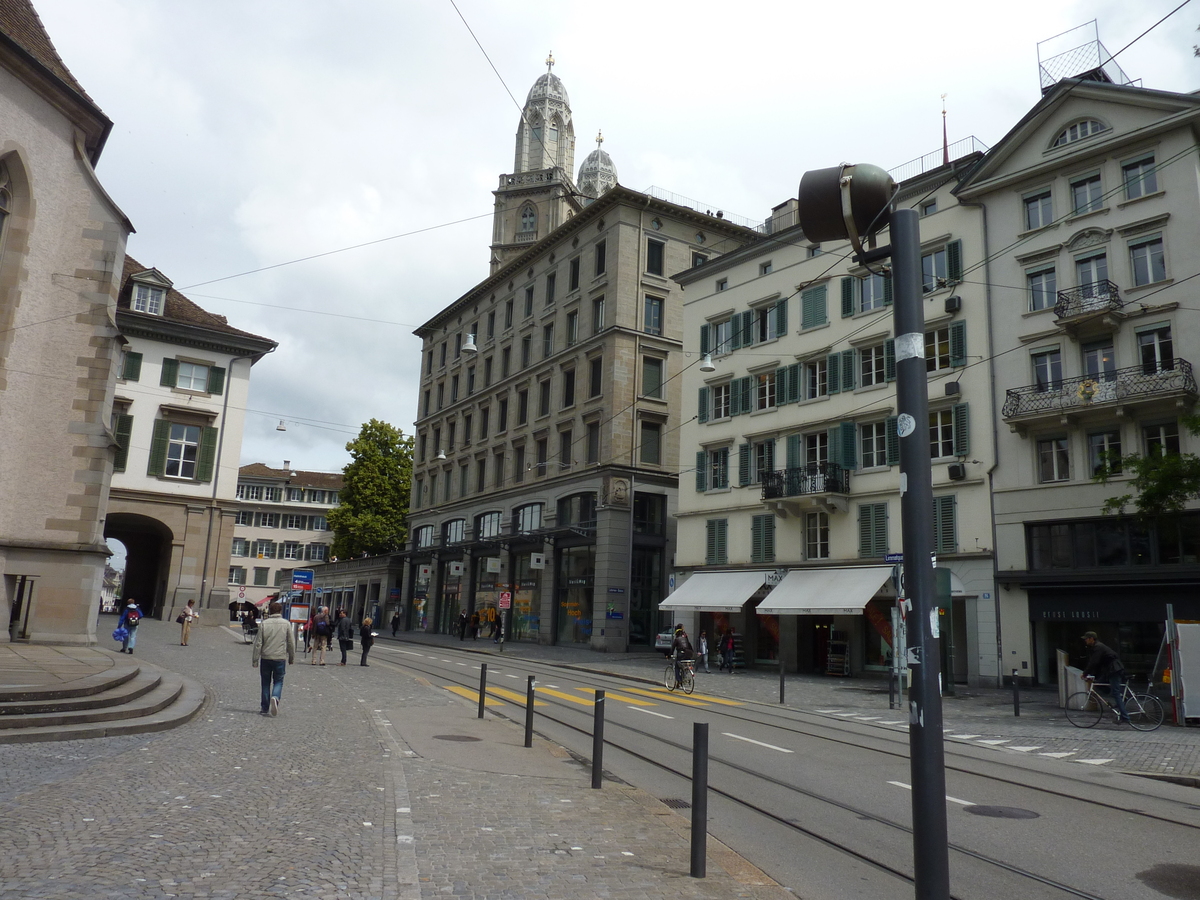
column 1105, row 664
column 681, row 649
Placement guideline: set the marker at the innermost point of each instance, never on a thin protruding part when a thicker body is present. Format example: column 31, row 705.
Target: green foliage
column 372, row 515
column 1162, row 483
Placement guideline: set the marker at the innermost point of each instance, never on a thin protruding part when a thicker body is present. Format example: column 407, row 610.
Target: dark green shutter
column 747, row 389
column 945, row 532
column 958, row 343
column 793, row 383
column 887, row 289
column 158, row 447
column 834, row 450
column 710, row 542
column 756, row 539
column 207, row 455
column 962, row 429
column 793, row 451
column 735, row 398
column 704, row 329
column 848, row 371
column 216, row 379
column 722, row 473
column 702, row 470
column 865, row 530
column 849, row 445
column 170, row 373
column 122, row 430
column 892, row 441
column 132, row 369
column 847, row 296
column 748, row 328
column 744, row 465
column 722, row 535
column 702, row 405
column 879, row 530
column 954, row 262
column 889, row 360
column 833, row 373
column 781, row 380
column 781, row 318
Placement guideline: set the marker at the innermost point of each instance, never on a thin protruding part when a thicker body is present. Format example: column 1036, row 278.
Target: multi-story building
column 1092, row 224
column 792, row 501
column 62, row 239
column 182, row 383
column 281, row 524
column 545, row 465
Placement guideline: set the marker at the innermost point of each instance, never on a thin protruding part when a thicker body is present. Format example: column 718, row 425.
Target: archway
column 148, row 557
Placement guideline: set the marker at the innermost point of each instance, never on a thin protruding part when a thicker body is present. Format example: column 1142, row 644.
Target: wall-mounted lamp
column 281, row 426
column 441, row 455
column 469, row 346
column 706, row 364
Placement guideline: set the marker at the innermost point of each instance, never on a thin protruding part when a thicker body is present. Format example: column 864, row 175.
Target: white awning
column 716, row 591
column 825, row 592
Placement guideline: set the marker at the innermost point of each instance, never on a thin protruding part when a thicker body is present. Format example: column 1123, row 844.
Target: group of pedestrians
column 474, row 624
column 322, row 628
column 681, row 648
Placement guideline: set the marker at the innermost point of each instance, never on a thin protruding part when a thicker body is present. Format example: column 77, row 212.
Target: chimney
column 287, row 463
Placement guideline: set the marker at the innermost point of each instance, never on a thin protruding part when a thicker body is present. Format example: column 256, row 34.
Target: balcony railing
column 1099, row 296
column 815, row 478
column 1171, row 376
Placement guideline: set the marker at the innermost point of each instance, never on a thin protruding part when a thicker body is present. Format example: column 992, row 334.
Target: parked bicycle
column 1086, row 708
column 687, row 676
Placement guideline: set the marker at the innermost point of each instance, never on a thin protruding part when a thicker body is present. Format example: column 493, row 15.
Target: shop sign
column 455, row 569
column 424, row 572
column 616, row 590
column 394, row 593
column 493, row 565
column 527, row 584
column 505, row 600
column 579, row 582
column 537, row 560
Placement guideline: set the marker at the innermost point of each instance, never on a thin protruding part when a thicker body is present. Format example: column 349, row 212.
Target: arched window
column 1078, row 131
column 552, row 135
column 578, row 510
column 487, row 525
column 452, row 531
column 424, row 536
column 527, row 518
column 529, row 219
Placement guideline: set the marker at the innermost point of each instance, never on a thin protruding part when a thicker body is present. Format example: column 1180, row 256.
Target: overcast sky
column 249, row 134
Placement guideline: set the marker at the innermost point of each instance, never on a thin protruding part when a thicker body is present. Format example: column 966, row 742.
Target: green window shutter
column 889, row 360
column 735, row 397
column 746, row 388
column 812, row 307
column 132, row 370
column 847, row 296
column 962, row 429
column 208, row 454
column 849, row 444
column 954, row 261
column 170, row 373
column 793, row 383
column 865, row 529
column 887, row 289
column 892, row 441
column 735, row 332
column 880, row 530
column 756, row 539
column 748, row 328
column 702, row 405
column 793, row 451
column 781, row 325
column 848, row 370
column 710, row 542
column 722, row 538
column 781, row 380
column 833, row 373
column 769, row 538
column 958, row 343
column 834, row 436
column 723, row 470
column 704, row 329
column 770, row 456
column 945, row 531
column 158, row 447
column 744, row 465
column 216, row 379
column 702, row 470
column 122, row 430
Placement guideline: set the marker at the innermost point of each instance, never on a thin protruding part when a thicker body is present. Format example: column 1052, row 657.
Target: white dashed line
column 964, row 737
column 649, row 713
column 908, row 787
column 1063, row 755
column 996, row 742
column 1024, row 749
column 1093, row 762
column 738, row 737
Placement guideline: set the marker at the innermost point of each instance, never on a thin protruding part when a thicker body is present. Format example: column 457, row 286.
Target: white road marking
column 996, row 742
column 738, row 737
column 649, row 713
column 845, row 715
column 868, row 718
column 964, row 737
column 908, row 787
column 1060, row 755
column 1024, row 749
column 1093, row 762
column 506, row 675
column 826, row 710
column 891, row 723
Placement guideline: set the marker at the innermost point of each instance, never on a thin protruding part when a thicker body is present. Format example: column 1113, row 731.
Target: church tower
column 539, row 194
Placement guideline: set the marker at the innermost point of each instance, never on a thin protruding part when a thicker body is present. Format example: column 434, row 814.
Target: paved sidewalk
column 369, row 784
column 980, row 716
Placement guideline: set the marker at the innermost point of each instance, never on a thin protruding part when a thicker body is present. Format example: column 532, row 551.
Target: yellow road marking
column 570, row 699
column 472, row 695
column 664, row 694
column 611, row 696
column 511, row 695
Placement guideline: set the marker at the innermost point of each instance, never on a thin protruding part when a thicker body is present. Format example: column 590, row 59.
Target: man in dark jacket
column 681, row 649
column 344, row 629
column 1104, row 663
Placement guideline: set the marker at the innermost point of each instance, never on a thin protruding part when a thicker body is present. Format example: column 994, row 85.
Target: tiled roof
column 177, row 307
column 20, row 22
column 325, row 481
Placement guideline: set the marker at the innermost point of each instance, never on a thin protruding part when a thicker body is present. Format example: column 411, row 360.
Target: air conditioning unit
column 952, row 389
column 957, row 471
column 953, row 304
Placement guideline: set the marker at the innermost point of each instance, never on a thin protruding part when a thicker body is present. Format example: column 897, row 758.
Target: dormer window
column 1079, row 131
column 148, row 299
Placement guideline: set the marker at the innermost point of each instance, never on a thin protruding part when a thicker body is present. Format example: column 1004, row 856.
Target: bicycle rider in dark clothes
column 1105, row 664
column 681, row 649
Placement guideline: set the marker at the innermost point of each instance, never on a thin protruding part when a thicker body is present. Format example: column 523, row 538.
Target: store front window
column 646, row 594
column 576, row 575
column 422, row 575
column 451, row 596
column 877, row 635
column 527, row 592
column 487, row 589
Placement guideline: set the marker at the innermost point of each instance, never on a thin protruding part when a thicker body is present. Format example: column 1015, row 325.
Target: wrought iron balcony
column 816, row 478
column 1169, row 378
column 1100, row 296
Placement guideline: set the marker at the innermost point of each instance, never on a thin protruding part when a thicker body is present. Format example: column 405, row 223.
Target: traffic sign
column 302, row 579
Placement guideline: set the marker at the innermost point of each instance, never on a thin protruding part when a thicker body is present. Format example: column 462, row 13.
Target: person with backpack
column 274, row 648
column 321, row 631
column 344, row 629
column 130, row 616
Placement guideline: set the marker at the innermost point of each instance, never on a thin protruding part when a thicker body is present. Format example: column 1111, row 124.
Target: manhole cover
column 455, row 737
column 1002, row 812
column 678, row 804
column 1173, row 880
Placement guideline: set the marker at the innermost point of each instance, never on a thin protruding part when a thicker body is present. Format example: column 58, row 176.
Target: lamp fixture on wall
column 441, row 455
column 469, row 346
column 706, row 364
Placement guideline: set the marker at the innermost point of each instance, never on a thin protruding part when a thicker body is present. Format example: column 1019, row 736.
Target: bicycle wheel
column 1083, row 709
column 687, row 681
column 669, row 678
column 1145, row 712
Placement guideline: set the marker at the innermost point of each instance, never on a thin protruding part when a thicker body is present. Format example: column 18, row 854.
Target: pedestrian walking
column 726, row 648
column 274, row 648
column 1103, row 663
column 474, row 626
column 366, row 637
column 462, row 624
column 702, row 651
column 130, row 616
column 322, row 630
column 185, row 619
column 395, row 623
column 344, row 630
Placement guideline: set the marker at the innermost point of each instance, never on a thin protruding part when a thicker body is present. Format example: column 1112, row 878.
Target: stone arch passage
column 147, row 566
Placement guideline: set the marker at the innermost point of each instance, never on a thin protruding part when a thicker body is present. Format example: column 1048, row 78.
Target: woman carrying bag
column 367, row 637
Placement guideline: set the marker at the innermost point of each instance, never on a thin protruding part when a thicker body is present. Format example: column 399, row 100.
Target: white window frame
column 873, row 444
column 148, row 299
column 192, row 377
column 1145, row 254
column 871, row 365
column 183, row 451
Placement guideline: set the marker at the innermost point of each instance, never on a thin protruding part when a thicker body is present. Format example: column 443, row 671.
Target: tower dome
column 548, row 86
column 598, row 172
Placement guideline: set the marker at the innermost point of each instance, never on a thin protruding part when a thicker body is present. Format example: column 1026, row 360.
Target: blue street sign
column 302, row 579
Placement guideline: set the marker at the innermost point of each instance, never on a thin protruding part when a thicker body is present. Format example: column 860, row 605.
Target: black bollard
column 699, row 798
column 781, row 679
column 892, row 689
column 529, row 713
column 598, row 741
column 1016, row 695
column 482, row 687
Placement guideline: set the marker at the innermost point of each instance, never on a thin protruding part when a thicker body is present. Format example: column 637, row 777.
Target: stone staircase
column 129, row 696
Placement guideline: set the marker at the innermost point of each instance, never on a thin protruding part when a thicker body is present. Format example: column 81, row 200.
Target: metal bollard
column 781, row 679
column 1016, row 695
column 482, row 687
column 598, row 741
column 892, row 689
column 529, row 713
column 699, row 798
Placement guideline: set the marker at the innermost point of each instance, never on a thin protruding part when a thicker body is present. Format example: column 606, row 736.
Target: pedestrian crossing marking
column 621, row 697
column 996, row 742
column 1093, row 762
column 472, row 694
column 662, row 694
column 568, row 697
column 1060, row 755
column 511, row 695
column 1024, row 749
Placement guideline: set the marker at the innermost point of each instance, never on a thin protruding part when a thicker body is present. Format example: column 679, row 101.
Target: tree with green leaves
column 372, row 515
column 1162, row 484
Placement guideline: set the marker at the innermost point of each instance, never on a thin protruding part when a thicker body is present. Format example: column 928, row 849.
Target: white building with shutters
column 182, row 383
column 796, row 483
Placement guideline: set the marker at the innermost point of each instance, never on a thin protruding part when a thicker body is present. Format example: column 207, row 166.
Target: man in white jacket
column 275, row 647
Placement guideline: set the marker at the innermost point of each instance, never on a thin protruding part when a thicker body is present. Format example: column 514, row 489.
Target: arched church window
column 528, row 219
column 1079, row 131
column 553, row 135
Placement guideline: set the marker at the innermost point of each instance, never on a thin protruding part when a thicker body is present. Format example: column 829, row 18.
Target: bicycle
column 1085, row 708
column 687, row 676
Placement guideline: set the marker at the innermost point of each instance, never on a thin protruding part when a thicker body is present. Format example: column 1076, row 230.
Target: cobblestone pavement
column 369, row 784
column 982, row 717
